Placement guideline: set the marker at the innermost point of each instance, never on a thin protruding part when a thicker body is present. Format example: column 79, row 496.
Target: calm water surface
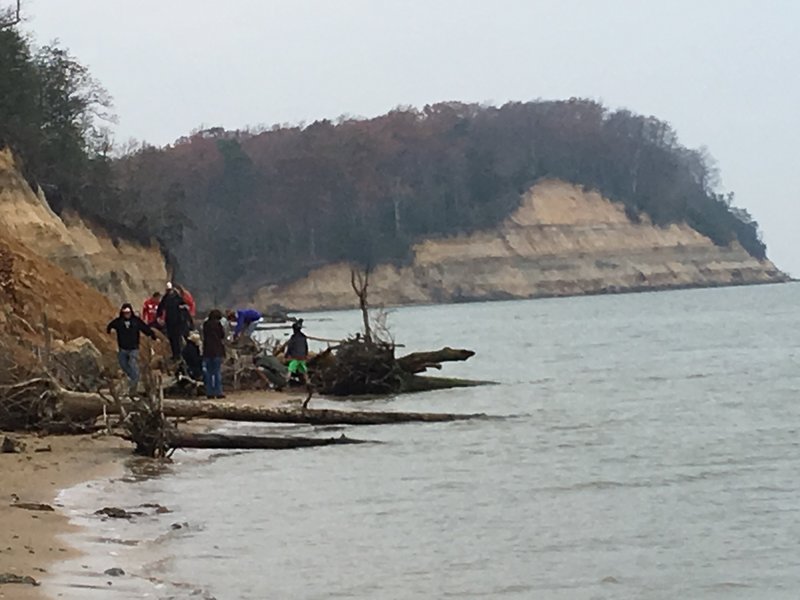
column 649, row 450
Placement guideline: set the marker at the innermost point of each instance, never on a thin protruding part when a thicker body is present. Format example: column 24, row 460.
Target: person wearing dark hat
column 129, row 327
column 297, row 352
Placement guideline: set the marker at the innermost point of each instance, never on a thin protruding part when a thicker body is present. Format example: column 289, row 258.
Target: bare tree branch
column 11, row 16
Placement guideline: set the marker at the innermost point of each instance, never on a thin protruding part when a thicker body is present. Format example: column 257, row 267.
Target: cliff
column 561, row 241
column 122, row 270
column 31, row 286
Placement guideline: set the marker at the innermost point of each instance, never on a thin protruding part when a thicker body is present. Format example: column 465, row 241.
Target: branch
column 12, row 16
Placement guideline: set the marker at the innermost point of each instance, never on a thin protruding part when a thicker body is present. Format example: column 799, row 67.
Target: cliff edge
column 120, row 269
column 561, row 241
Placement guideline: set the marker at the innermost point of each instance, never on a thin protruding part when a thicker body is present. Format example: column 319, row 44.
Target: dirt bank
column 120, row 269
column 563, row 240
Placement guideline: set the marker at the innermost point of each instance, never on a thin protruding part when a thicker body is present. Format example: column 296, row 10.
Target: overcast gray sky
column 725, row 73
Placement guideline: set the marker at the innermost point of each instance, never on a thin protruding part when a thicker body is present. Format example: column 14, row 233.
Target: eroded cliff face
column 123, row 271
column 561, row 241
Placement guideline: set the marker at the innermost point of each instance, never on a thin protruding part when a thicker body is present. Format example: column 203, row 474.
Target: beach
column 33, row 541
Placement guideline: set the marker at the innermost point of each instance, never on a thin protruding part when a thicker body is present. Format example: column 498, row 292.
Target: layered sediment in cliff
column 122, row 270
column 561, row 241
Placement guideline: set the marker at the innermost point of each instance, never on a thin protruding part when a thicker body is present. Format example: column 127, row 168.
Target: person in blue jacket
column 246, row 319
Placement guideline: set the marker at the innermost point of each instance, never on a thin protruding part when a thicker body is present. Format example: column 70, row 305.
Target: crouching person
column 213, row 354
column 129, row 327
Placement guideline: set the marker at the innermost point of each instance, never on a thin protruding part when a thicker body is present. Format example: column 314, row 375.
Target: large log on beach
column 79, row 406
column 417, row 362
column 218, row 441
column 313, row 416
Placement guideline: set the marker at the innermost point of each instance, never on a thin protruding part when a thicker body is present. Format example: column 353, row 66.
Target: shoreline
column 32, row 542
column 35, row 542
column 606, row 291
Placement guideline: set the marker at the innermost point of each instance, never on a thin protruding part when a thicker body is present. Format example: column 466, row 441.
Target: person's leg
column 207, row 377
column 250, row 329
column 174, row 335
column 302, row 368
column 218, row 380
column 122, row 359
column 133, row 372
column 126, row 363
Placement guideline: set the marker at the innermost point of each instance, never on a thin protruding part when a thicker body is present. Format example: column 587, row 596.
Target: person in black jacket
column 129, row 327
column 297, row 355
column 193, row 356
column 213, row 354
column 172, row 309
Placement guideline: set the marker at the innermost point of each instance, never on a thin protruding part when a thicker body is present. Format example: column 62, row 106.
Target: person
column 192, row 356
column 246, row 320
column 150, row 309
column 174, row 320
column 270, row 369
column 297, row 352
column 188, row 299
column 129, row 327
column 213, row 354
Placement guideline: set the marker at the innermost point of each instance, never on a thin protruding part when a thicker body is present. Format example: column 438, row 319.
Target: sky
column 725, row 74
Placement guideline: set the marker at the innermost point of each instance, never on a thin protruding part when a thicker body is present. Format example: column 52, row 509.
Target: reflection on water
column 650, row 451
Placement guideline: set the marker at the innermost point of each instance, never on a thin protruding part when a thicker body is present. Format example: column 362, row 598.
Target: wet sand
column 32, row 540
column 29, row 540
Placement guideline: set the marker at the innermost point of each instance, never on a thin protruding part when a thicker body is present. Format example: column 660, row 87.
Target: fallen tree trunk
column 217, row 441
column 417, row 362
column 425, row 383
column 79, row 406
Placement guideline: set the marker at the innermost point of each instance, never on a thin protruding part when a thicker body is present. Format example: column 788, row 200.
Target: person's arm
column 160, row 309
column 111, row 325
column 146, row 329
column 239, row 323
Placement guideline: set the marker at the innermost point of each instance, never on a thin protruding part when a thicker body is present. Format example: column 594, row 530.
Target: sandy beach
column 29, row 539
column 32, row 540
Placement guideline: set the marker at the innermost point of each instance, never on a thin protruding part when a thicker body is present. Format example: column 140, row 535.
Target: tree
column 11, row 16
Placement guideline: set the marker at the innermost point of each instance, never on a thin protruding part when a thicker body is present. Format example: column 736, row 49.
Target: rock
column 117, row 513
column 34, row 506
column 10, row 445
column 114, row 572
column 13, row 578
column 77, row 364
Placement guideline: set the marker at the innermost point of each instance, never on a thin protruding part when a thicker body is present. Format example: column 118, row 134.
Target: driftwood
column 219, row 441
column 80, row 406
column 417, row 362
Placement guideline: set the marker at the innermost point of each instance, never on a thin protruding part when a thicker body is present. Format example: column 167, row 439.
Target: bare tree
column 359, row 280
column 11, row 16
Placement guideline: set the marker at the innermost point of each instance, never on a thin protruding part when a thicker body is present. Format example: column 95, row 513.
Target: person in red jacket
column 150, row 308
column 188, row 299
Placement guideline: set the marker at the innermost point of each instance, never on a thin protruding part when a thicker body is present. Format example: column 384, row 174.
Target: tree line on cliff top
column 270, row 204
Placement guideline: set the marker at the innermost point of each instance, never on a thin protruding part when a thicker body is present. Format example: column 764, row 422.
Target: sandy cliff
column 561, row 241
column 122, row 270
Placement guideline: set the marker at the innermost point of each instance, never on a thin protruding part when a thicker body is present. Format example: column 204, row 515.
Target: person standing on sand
column 129, row 327
column 170, row 309
column 297, row 352
column 213, row 354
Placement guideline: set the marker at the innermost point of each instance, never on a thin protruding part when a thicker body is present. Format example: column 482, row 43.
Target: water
column 650, row 450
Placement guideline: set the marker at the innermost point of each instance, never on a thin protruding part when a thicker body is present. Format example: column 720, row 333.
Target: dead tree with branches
column 359, row 281
column 11, row 16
